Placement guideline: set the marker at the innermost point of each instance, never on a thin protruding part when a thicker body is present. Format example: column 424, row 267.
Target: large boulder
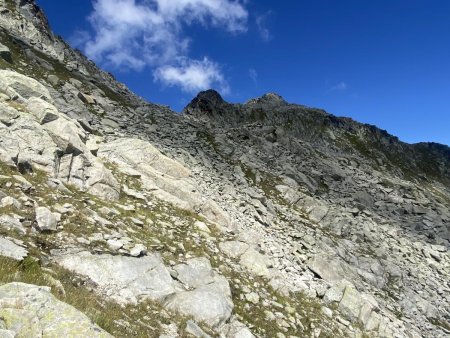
column 203, row 304
column 24, row 86
column 45, row 219
column 8, row 222
column 44, row 112
column 32, row 311
column 12, row 250
column 327, row 268
column 256, row 263
column 209, row 296
column 124, row 279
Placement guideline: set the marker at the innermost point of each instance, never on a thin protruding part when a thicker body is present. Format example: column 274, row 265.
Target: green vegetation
column 263, row 180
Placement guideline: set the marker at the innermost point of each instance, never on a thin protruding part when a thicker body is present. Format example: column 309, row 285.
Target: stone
column 110, row 123
column 32, row 311
column 5, row 53
column 85, row 98
column 203, row 304
column 236, row 329
column 132, row 193
column 11, row 223
column 9, row 201
column 193, row 329
column 201, row 226
column 326, row 268
column 252, row 297
column 12, row 250
column 124, row 279
column 138, row 250
column 327, row 311
column 23, row 85
column 53, row 79
column 210, row 298
column 24, row 184
column 45, row 219
column 197, row 272
column 255, row 262
column 114, row 244
column 373, row 322
column 350, row 303
column 7, row 333
column 42, row 110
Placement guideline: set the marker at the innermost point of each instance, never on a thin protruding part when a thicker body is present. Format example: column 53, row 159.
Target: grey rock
column 5, row 53
column 233, row 249
column 124, row 279
column 41, row 315
column 23, row 85
column 53, row 79
column 209, row 301
column 46, row 220
column 12, row 250
column 255, row 262
column 9, row 201
column 11, row 223
column 114, row 244
column 88, row 99
column 42, row 110
column 236, row 329
column 193, row 329
column 327, row 268
column 203, row 304
column 138, row 250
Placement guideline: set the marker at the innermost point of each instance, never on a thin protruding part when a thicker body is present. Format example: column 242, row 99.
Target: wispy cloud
column 261, row 24
column 134, row 34
column 338, row 87
column 253, row 75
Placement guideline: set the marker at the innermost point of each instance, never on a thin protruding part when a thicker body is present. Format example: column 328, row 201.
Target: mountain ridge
column 210, row 105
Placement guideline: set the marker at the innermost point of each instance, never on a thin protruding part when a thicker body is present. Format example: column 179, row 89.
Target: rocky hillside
column 120, row 217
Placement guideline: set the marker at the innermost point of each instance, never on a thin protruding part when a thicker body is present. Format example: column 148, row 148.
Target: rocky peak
column 268, row 98
column 208, row 104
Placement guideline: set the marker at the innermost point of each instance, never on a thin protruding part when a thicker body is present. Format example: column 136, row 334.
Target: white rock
column 124, row 279
column 12, row 250
column 138, row 250
column 40, row 314
column 255, row 262
column 46, row 220
column 114, row 244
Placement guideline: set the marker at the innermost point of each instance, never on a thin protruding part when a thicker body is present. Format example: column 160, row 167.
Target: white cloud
column 135, row 34
column 261, row 23
column 193, row 75
column 253, row 75
column 341, row 86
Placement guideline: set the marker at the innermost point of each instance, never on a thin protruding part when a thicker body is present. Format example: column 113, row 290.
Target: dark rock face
column 209, row 105
column 317, row 126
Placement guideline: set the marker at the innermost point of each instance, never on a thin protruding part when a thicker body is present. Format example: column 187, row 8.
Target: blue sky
column 382, row 62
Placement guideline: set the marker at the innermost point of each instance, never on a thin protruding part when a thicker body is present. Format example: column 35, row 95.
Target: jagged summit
column 210, row 106
column 268, row 98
